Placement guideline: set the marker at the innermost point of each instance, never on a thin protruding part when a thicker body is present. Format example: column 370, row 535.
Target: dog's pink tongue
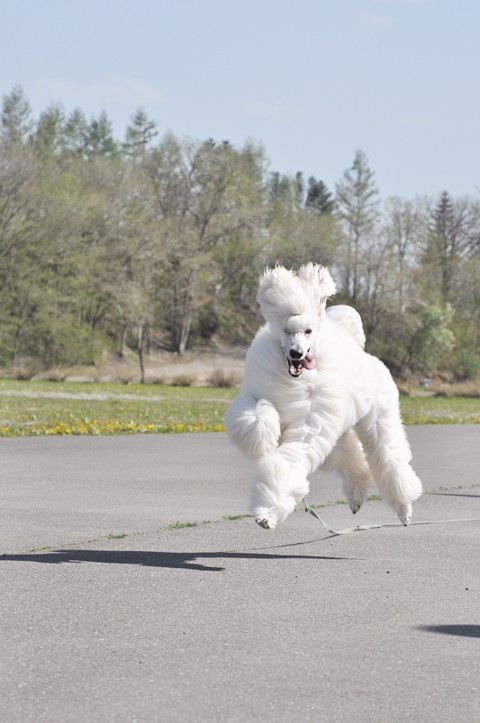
column 308, row 362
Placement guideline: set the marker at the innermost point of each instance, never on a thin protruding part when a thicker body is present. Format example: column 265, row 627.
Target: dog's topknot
column 283, row 292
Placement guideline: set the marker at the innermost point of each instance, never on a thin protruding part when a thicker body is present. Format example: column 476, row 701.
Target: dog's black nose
column 293, row 354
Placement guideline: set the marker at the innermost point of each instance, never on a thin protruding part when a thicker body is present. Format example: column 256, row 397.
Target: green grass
column 440, row 410
column 51, row 408
column 55, row 408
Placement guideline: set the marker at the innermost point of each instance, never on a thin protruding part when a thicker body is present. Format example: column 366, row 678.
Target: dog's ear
column 280, row 294
column 318, row 283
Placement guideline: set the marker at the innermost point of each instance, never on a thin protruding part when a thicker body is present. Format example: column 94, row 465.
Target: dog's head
column 294, row 304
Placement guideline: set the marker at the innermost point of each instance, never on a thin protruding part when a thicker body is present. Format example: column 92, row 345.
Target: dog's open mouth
column 296, row 366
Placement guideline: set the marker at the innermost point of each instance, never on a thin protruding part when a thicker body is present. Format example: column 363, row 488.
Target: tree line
column 157, row 242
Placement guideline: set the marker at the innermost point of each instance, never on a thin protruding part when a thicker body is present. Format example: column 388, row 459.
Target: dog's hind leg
column 280, row 483
column 388, row 453
column 348, row 460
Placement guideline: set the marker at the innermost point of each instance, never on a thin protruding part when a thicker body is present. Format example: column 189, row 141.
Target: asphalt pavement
column 130, row 594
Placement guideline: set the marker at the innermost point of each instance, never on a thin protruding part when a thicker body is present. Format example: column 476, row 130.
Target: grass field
column 53, row 408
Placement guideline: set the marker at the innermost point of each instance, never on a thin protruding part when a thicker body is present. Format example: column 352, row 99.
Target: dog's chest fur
column 306, row 403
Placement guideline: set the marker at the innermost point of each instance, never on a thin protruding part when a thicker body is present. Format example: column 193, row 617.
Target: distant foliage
column 156, row 242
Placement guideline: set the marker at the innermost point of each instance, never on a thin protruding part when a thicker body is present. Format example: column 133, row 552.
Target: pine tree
column 441, row 248
column 279, row 185
column 139, row 133
column 76, row 132
column 299, row 188
column 99, row 140
column 16, row 119
column 453, row 236
column 319, row 199
column 49, row 135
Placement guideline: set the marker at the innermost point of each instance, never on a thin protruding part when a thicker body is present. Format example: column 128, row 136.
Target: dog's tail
column 349, row 319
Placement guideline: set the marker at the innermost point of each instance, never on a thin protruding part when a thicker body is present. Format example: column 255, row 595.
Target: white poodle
column 312, row 397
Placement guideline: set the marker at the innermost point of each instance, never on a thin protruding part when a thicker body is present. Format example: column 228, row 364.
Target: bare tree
column 357, row 202
column 406, row 228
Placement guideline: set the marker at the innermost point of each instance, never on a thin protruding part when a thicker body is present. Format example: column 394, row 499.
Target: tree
column 139, row 133
column 449, row 241
column 16, row 119
column 357, row 207
column 433, row 339
column 206, row 195
column 18, row 234
column 299, row 188
column 287, row 189
column 36, row 288
column 319, row 199
column 76, row 133
column 278, row 185
column 99, row 139
column 49, row 135
column 112, row 255
column 296, row 236
column 405, row 224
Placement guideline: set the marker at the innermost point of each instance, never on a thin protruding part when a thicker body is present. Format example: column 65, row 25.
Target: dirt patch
column 202, row 367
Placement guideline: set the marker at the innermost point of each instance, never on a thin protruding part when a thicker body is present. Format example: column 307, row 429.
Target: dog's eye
column 308, row 331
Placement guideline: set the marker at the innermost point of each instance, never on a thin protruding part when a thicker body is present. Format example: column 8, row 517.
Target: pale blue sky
column 312, row 80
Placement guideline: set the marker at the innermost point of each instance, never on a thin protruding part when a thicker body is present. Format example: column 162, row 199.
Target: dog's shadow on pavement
column 465, row 631
column 179, row 560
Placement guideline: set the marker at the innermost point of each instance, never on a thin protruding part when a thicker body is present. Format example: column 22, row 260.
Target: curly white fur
column 311, row 397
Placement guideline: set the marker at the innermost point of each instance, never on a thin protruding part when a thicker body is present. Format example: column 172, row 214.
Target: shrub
column 224, row 379
column 183, row 380
column 468, row 365
column 25, row 369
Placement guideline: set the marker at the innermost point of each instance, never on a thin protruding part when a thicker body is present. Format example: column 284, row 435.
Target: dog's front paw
column 404, row 512
column 355, row 506
column 267, row 519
